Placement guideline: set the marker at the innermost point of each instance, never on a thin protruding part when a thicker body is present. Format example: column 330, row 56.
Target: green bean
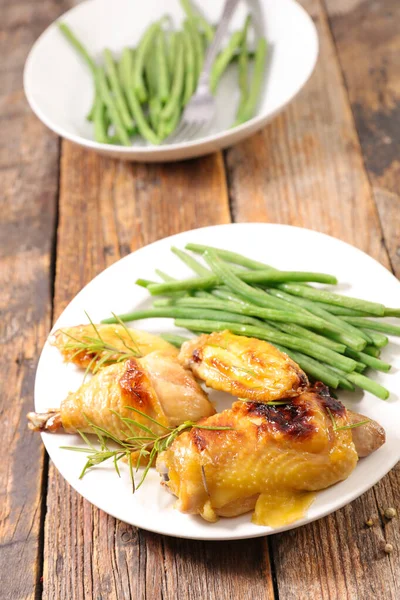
column 116, row 89
column 243, row 59
column 224, row 58
column 99, row 122
column 341, row 311
column 90, row 115
column 207, row 30
column 204, row 24
column 187, row 313
column 144, row 282
column 310, row 348
column 249, row 263
column 254, row 296
column 226, row 294
column 164, row 276
column 154, row 113
column 372, row 351
column 126, row 75
column 370, row 361
column 178, row 81
column 172, row 53
column 344, row 383
column 197, row 45
column 108, row 100
column 231, row 280
column 255, row 277
column 367, row 338
column 351, row 312
column 125, row 68
column 190, row 84
column 243, row 69
column 278, row 276
column 378, row 339
column 299, row 331
column 312, row 367
column 374, row 325
column 191, row 262
column 140, row 59
column 163, row 302
column 150, row 70
column 155, row 105
column 255, row 311
column 256, row 83
column 163, row 80
column 229, row 256
column 166, row 127
column 369, row 385
column 188, row 8
column 350, row 337
column 392, row 312
column 175, row 340
column 257, row 297
column 265, row 300
column 79, row 47
column 330, row 298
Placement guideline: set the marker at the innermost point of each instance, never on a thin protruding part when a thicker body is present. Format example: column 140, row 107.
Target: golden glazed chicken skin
column 272, row 459
column 244, row 367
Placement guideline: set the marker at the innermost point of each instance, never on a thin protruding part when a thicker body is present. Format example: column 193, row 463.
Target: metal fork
column 201, row 108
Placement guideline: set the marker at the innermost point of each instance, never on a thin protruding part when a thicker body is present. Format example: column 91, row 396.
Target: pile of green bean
column 330, row 336
column 145, row 91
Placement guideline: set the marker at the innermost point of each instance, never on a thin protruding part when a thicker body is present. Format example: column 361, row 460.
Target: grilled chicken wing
column 156, row 385
column 70, row 339
column 245, row 367
column 273, row 459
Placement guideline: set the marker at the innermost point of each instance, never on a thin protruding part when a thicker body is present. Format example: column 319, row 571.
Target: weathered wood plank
column 307, row 169
column 29, row 181
column 107, row 209
column 368, row 42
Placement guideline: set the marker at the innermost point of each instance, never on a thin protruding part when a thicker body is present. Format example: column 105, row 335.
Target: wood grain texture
column 307, row 169
column 106, row 210
column 367, row 38
column 29, row 181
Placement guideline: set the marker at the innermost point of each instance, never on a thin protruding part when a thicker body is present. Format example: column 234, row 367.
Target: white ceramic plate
column 59, row 87
column 113, row 290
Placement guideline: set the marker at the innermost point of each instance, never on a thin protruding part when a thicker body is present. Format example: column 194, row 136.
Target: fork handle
column 212, row 51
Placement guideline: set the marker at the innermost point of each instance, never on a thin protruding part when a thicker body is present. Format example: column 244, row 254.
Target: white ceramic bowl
column 59, row 87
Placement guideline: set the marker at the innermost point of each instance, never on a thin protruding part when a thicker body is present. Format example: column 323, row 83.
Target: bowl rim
column 221, row 139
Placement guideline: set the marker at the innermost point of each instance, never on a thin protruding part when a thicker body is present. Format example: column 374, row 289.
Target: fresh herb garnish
column 103, row 353
column 344, row 427
column 145, row 446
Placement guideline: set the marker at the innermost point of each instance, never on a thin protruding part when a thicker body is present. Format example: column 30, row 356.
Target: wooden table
column 330, row 162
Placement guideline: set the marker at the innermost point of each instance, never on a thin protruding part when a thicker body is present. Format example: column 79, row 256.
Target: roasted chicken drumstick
column 156, row 384
column 273, row 459
column 242, row 366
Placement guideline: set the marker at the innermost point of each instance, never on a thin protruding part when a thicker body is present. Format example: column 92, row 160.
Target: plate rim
column 219, row 140
column 263, row 531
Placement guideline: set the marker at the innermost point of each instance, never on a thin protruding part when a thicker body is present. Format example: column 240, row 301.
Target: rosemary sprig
column 102, row 352
column 146, row 446
column 344, row 427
